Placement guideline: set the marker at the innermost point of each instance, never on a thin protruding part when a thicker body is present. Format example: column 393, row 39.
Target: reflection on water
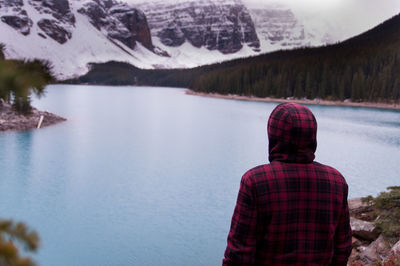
column 149, row 176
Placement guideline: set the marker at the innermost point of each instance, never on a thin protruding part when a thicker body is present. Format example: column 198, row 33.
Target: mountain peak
column 147, row 34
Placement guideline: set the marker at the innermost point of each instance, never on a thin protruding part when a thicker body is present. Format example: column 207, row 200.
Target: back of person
column 294, row 210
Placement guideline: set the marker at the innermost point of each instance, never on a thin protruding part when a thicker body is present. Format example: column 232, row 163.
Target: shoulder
column 330, row 171
column 257, row 174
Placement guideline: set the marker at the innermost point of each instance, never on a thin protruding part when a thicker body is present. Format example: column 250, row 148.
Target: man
column 294, row 210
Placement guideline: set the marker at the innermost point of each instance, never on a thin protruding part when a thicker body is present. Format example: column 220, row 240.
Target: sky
column 344, row 18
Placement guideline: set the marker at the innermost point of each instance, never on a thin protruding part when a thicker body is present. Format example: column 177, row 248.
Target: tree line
column 19, row 79
column 364, row 68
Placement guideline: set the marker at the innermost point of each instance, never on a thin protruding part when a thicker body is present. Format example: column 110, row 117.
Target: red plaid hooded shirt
column 294, row 210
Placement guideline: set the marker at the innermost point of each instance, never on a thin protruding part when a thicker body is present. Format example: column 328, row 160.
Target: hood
column 292, row 134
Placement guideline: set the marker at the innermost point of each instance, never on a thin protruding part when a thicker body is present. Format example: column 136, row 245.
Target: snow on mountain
column 150, row 34
column 70, row 34
column 83, row 44
column 217, row 25
column 279, row 28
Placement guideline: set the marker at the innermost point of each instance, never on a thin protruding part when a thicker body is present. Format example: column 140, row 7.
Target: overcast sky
column 345, row 18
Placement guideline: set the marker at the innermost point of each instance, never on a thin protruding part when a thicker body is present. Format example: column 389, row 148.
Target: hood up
column 292, row 134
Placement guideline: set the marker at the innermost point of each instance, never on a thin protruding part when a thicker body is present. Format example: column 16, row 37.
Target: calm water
column 149, row 176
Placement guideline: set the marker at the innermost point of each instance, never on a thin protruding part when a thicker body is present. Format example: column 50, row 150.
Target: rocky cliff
column 57, row 20
column 147, row 34
column 278, row 26
column 217, row 25
column 121, row 22
column 14, row 15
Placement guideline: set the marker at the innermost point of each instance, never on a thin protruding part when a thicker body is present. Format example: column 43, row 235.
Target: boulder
column 54, row 30
column 354, row 256
column 21, row 23
column 172, row 36
column 355, row 242
column 356, row 204
column 363, row 229
column 376, row 251
column 396, row 247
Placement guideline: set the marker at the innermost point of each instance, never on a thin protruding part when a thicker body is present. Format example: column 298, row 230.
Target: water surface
column 149, row 176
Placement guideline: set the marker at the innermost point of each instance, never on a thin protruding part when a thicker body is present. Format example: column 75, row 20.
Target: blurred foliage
column 12, row 236
column 386, row 207
column 19, row 79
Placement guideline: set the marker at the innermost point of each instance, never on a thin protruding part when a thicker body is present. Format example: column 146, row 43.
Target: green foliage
column 387, row 208
column 13, row 235
column 19, row 79
column 368, row 200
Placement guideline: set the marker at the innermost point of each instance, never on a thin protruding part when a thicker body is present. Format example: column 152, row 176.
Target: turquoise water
column 149, row 176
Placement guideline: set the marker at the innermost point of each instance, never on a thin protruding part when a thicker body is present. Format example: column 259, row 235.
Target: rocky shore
column 370, row 247
column 11, row 120
column 392, row 106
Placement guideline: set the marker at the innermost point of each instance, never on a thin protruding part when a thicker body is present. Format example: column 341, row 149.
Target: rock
column 396, row 247
column 355, row 242
column 59, row 9
column 172, row 36
column 121, row 22
column 11, row 120
column 277, row 24
column 15, row 17
column 135, row 21
column 96, row 13
column 54, row 30
column 355, row 255
column 60, row 27
column 376, row 251
column 356, row 204
column 363, row 229
column 21, row 23
column 217, row 25
column 12, row 3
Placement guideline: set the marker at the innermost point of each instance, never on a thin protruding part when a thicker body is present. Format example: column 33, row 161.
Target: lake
column 149, row 176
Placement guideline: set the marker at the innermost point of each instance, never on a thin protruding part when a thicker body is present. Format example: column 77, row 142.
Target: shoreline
column 12, row 121
column 389, row 106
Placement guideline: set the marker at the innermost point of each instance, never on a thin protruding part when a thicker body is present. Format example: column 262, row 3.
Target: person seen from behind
column 294, row 210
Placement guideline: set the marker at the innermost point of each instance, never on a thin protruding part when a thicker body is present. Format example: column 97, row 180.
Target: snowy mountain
column 147, row 34
column 61, row 32
column 279, row 28
column 217, row 25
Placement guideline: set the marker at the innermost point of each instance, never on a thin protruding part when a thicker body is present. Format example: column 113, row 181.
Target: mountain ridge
column 363, row 68
column 72, row 33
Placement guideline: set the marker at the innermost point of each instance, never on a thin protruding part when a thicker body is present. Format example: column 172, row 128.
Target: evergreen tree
column 18, row 80
column 12, row 234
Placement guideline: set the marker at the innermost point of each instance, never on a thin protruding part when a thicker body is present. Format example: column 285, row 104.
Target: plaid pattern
column 292, row 211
